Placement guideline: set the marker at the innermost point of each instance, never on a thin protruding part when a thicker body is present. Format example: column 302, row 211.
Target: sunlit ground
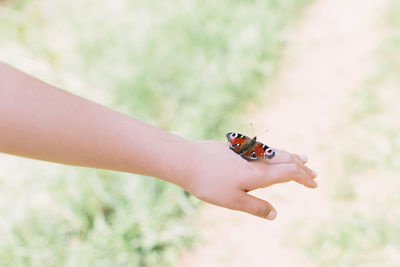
column 335, row 99
column 195, row 67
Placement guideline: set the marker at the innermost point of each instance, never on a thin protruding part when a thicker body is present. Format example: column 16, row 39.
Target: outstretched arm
column 40, row 121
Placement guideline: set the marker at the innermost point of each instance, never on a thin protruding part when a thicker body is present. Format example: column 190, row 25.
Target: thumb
column 256, row 206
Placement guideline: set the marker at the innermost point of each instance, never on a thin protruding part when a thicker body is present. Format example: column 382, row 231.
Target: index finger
column 282, row 156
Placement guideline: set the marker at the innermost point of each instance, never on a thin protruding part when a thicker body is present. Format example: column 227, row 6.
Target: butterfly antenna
column 252, row 130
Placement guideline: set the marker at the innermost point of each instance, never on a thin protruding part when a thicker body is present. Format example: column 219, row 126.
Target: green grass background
column 188, row 66
column 364, row 228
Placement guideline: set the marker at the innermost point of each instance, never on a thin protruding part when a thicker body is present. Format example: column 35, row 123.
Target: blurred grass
column 187, row 66
column 184, row 65
column 364, row 229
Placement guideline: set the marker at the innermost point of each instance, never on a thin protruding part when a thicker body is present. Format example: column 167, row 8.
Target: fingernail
column 314, row 174
column 271, row 215
column 313, row 184
column 303, row 158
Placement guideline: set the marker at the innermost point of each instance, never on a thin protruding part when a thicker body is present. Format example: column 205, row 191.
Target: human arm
column 40, row 121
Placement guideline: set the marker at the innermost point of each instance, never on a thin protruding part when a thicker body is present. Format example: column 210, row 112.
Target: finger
column 255, row 206
column 303, row 158
column 281, row 173
column 283, row 156
column 285, row 172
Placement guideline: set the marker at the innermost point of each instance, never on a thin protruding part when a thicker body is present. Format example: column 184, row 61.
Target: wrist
column 187, row 165
column 177, row 164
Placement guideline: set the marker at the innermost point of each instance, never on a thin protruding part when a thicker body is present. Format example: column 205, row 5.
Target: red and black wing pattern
column 249, row 155
column 257, row 151
column 237, row 141
column 253, row 152
column 263, row 151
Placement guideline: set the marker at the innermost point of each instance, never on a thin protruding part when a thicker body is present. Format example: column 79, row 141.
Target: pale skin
column 40, row 121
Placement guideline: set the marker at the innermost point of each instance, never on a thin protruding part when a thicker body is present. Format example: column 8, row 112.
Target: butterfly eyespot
column 269, row 153
column 234, row 134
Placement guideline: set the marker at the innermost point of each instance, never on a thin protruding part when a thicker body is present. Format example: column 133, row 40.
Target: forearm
column 40, row 121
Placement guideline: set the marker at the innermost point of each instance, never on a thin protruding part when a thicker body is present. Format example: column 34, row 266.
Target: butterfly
column 248, row 148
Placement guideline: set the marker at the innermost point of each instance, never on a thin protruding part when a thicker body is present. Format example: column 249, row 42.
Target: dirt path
column 329, row 53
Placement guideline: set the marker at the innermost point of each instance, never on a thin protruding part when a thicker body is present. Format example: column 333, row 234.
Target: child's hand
column 223, row 178
column 40, row 121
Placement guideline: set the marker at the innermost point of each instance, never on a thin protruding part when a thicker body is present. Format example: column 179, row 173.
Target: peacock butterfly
column 248, row 148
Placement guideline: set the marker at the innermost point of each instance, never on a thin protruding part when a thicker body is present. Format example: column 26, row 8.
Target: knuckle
column 296, row 158
column 294, row 169
column 257, row 170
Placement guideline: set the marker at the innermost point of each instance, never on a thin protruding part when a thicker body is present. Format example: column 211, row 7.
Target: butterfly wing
column 237, row 141
column 258, row 151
